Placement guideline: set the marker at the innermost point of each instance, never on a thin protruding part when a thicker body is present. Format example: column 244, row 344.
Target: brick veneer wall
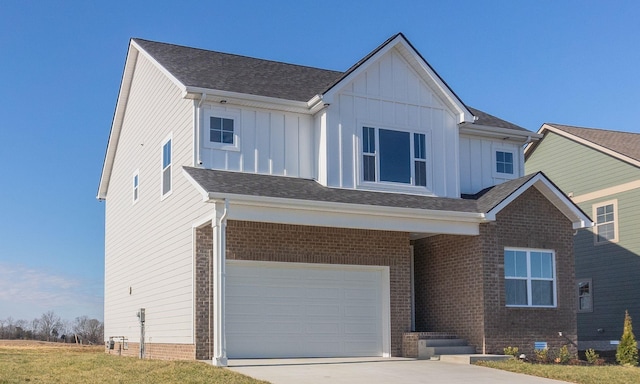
column 530, row 221
column 156, row 351
column 449, row 287
column 308, row 244
column 459, row 280
column 202, row 294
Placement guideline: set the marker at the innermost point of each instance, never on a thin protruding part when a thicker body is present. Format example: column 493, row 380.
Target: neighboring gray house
column 600, row 171
column 263, row 209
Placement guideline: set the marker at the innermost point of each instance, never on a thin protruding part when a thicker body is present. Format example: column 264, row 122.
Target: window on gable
column 136, row 186
column 529, row 278
column 606, row 222
column 504, row 162
column 394, row 156
column 585, row 295
column 166, row 167
column 221, row 130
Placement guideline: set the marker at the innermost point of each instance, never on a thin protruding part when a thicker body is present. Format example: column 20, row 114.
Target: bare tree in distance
column 49, row 325
column 90, row 330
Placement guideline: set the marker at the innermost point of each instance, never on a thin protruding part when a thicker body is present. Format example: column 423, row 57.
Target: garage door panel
column 303, row 310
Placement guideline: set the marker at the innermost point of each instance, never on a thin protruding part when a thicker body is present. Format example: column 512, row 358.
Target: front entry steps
column 428, row 348
column 442, row 346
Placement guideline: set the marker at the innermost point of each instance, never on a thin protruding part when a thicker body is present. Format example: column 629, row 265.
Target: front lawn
column 23, row 362
column 608, row 374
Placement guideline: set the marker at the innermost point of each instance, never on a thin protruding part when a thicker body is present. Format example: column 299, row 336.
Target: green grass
column 609, row 374
column 59, row 363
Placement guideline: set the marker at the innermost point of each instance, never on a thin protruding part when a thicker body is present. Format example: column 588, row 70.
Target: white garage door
column 305, row 310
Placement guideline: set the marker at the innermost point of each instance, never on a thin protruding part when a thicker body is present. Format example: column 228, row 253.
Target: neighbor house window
column 394, row 156
column 606, row 229
column 504, row 162
column 530, row 279
column 166, row 167
column 136, row 186
column 585, row 295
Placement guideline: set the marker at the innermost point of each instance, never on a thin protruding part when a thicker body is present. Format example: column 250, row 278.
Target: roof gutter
column 499, row 133
column 248, row 100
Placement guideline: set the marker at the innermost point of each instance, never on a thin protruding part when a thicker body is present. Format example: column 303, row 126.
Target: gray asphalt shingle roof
column 201, row 68
column 624, row 143
column 237, row 183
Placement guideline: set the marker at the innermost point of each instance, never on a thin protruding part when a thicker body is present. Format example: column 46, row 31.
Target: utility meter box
column 141, row 315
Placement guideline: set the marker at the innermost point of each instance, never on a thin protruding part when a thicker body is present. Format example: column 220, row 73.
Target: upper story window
column 166, row 167
column 585, row 295
column 606, row 215
column 504, row 162
column 530, row 278
column 394, row 156
column 136, row 185
column 221, row 129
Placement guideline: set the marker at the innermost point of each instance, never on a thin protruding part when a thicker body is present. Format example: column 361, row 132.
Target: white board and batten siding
column 148, row 244
column 279, row 310
column 269, row 142
column 478, row 163
column 389, row 94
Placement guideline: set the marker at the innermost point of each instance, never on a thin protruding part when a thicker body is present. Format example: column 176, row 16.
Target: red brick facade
column 460, row 280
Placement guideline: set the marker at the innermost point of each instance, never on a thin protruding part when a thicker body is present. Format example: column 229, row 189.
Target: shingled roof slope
column 248, row 184
column 201, row 68
column 624, row 143
column 234, row 73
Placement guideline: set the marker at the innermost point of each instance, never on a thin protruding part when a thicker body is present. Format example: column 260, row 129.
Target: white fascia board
column 118, row 117
column 591, row 144
column 247, row 100
column 329, row 214
column 498, row 133
column 554, row 195
column 162, row 69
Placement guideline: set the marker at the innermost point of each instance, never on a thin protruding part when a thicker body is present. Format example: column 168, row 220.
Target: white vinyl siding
column 143, row 250
column 478, row 163
column 391, row 95
column 305, row 310
column 265, row 142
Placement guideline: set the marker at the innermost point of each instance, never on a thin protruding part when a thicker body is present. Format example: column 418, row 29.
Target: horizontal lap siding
column 148, row 244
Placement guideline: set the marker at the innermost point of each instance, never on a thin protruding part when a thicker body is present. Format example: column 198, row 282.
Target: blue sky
column 61, row 62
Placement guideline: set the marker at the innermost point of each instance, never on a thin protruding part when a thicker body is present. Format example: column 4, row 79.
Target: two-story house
column 261, row 209
column 600, row 170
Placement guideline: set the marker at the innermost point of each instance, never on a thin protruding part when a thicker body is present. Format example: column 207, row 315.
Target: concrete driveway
column 374, row 371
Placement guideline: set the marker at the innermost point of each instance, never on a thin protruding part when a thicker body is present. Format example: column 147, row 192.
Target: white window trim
column 135, row 192
column 590, row 282
column 226, row 114
column 494, row 162
column 615, row 222
column 165, row 141
column 529, row 278
column 389, row 186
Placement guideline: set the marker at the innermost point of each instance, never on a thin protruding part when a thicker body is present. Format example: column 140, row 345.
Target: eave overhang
column 498, row 133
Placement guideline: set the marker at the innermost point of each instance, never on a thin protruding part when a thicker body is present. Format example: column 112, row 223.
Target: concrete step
column 428, row 352
column 472, row 358
column 443, row 342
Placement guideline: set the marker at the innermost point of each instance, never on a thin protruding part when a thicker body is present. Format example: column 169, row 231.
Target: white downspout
column 197, row 159
column 524, row 146
column 218, row 264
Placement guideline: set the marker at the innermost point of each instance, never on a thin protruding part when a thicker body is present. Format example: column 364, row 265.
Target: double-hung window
column 530, row 278
column 166, row 167
column 394, row 156
column 585, row 295
column 606, row 229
